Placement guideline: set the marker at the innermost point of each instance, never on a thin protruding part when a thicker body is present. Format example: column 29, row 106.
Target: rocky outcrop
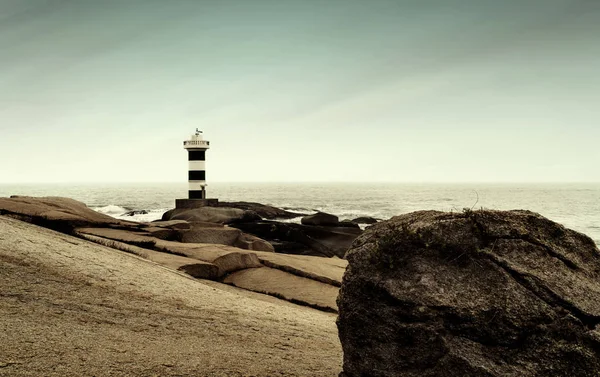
column 224, row 258
column 321, row 219
column 264, row 211
column 324, row 241
column 62, row 214
column 211, row 215
column 211, row 250
column 480, row 293
column 306, row 280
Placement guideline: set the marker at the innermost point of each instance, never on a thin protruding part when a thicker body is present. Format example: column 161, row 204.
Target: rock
column 323, row 241
column 225, row 258
column 131, row 237
column 62, row 214
column 162, row 233
column 480, row 293
column 321, row 219
column 365, row 220
column 211, row 215
column 193, row 267
column 136, row 212
column 250, row 242
column 224, row 236
column 264, row 211
column 232, row 262
column 173, row 224
column 290, row 287
column 325, row 270
column 348, row 224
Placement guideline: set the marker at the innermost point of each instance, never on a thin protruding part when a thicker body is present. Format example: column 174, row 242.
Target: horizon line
column 183, row 183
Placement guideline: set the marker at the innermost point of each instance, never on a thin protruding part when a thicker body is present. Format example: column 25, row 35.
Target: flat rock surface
column 127, row 236
column 53, row 209
column 285, row 285
column 72, row 308
column 193, row 267
column 327, row 270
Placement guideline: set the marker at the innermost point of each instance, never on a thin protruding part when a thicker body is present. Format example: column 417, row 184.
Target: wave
column 143, row 216
column 299, row 210
column 111, row 209
column 139, row 215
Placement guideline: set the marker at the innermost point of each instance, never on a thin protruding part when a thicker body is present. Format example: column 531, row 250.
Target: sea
column 575, row 205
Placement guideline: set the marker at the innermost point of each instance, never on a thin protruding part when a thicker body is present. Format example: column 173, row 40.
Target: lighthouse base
column 196, row 203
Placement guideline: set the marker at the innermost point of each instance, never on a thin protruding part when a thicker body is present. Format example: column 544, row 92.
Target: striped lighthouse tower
column 196, row 147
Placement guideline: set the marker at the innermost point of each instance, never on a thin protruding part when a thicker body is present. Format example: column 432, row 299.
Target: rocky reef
column 479, row 293
column 320, row 234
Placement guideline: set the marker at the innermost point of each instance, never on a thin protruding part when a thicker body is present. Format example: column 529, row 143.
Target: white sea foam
column 111, row 210
column 139, row 215
column 151, row 215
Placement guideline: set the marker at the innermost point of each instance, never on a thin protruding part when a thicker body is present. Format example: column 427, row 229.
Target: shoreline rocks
column 321, row 219
column 219, row 215
column 263, row 210
column 323, row 241
column 479, row 293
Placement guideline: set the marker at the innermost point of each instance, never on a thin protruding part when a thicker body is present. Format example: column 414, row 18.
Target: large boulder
column 264, row 211
column 479, row 293
column 211, row 215
column 321, row 219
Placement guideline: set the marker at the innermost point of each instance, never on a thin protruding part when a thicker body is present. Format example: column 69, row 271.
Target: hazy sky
column 300, row 90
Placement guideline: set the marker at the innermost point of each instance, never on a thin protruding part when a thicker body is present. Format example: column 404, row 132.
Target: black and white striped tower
column 197, row 147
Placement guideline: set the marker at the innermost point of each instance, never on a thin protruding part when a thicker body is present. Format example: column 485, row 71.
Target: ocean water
column 577, row 206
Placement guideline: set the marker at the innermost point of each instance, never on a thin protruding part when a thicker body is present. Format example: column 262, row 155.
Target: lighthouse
column 196, row 147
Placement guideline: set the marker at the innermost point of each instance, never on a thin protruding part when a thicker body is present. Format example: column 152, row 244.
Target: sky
column 300, row 90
